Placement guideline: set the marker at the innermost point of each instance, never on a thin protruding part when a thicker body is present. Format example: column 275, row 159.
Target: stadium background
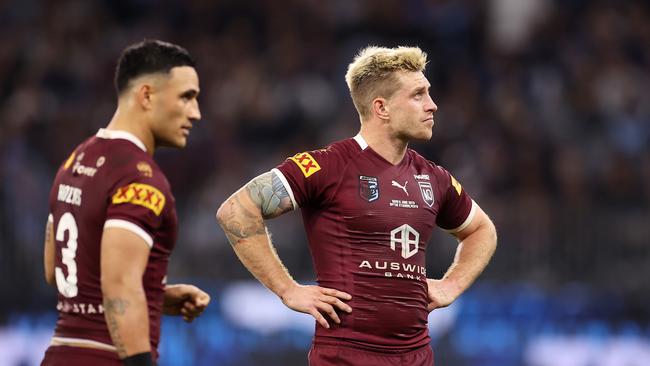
column 544, row 116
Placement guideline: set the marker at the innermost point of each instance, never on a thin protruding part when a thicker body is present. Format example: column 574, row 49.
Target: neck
column 127, row 121
column 383, row 143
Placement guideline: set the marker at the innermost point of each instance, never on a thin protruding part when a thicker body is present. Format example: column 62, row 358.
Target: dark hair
column 148, row 57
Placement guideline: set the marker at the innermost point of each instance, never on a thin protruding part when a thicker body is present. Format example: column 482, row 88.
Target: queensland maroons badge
column 368, row 188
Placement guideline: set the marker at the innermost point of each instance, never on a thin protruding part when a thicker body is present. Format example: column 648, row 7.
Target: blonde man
column 369, row 205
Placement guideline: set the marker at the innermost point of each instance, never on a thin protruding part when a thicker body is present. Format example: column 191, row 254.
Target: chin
column 180, row 144
column 177, row 144
column 425, row 136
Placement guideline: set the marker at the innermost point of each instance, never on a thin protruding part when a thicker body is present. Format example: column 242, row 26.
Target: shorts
column 77, row 356
column 330, row 355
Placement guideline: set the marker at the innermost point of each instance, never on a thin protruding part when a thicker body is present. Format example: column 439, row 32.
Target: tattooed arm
column 124, row 257
column 242, row 218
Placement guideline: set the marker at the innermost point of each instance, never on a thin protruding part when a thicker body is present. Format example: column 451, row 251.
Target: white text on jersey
column 397, row 269
column 79, row 308
column 421, row 176
column 69, row 194
column 82, row 169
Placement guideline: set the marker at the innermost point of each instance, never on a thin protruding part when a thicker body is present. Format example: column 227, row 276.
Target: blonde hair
column 372, row 73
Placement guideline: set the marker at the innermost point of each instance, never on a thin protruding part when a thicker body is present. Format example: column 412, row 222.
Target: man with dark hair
column 369, row 206
column 112, row 223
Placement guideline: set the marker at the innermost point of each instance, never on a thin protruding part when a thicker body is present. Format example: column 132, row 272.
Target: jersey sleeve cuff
column 50, row 219
column 467, row 221
column 286, row 185
column 128, row 225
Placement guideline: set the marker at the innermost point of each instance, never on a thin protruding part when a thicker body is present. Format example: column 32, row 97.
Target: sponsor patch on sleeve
column 456, row 185
column 307, row 164
column 142, row 195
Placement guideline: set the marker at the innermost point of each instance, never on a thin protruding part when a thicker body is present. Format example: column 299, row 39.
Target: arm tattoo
column 240, row 222
column 112, row 309
column 268, row 192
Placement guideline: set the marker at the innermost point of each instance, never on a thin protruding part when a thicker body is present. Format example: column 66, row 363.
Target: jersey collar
column 115, row 134
column 361, row 141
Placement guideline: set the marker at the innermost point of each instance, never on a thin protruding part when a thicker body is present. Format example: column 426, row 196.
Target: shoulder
column 136, row 179
column 335, row 154
column 338, row 149
column 128, row 164
column 125, row 159
column 421, row 162
column 430, row 168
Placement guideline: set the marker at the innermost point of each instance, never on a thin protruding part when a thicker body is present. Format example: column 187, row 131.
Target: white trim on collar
column 362, row 143
column 116, row 134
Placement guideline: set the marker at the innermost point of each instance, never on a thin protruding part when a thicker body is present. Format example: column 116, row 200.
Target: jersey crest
column 427, row 192
column 142, row 195
column 307, row 164
column 368, row 188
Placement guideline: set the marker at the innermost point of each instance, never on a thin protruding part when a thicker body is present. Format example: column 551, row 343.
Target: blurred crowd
column 544, row 117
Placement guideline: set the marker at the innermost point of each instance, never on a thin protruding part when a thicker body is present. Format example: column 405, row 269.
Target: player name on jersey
column 79, row 308
column 69, row 194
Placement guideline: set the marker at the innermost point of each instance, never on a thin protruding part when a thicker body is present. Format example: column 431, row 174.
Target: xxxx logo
column 142, row 195
column 307, row 164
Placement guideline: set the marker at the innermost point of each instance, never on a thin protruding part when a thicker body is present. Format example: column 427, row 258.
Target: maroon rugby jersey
column 108, row 181
column 368, row 223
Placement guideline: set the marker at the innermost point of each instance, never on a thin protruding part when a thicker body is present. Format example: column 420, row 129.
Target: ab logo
column 407, row 237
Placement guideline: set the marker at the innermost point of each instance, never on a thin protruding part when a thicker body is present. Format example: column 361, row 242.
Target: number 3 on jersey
column 67, row 285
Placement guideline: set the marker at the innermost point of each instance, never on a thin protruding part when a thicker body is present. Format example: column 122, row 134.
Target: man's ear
column 143, row 95
column 380, row 108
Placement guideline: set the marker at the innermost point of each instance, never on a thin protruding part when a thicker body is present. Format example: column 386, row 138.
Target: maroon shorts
column 331, row 355
column 77, row 356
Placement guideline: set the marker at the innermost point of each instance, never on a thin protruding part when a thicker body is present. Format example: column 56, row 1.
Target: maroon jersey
column 368, row 223
column 108, row 181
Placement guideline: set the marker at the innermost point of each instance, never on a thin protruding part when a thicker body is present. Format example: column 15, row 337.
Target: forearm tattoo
column 268, row 192
column 112, row 309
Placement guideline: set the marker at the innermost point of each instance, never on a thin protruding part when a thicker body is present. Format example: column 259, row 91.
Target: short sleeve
column 136, row 203
column 311, row 177
column 457, row 208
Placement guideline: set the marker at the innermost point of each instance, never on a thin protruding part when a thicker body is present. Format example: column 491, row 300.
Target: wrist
column 140, row 359
column 451, row 287
column 284, row 289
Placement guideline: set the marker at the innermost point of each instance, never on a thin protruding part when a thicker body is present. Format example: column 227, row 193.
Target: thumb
column 431, row 306
column 202, row 299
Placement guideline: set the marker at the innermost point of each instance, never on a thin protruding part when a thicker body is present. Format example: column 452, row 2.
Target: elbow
column 492, row 234
column 114, row 284
column 224, row 211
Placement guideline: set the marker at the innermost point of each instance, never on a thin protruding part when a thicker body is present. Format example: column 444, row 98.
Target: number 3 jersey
column 109, row 181
column 368, row 223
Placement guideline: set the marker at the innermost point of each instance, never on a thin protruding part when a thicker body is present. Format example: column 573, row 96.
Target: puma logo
column 403, row 187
